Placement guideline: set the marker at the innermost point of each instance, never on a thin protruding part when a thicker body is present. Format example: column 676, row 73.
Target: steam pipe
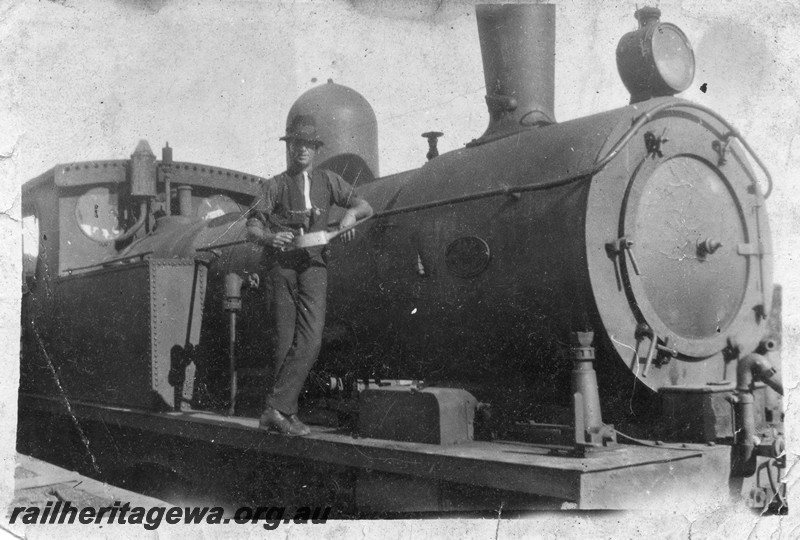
column 136, row 226
column 168, row 197
column 750, row 368
column 166, row 159
column 232, row 304
column 756, row 367
column 743, row 455
column 185, row 200
column 232, row 362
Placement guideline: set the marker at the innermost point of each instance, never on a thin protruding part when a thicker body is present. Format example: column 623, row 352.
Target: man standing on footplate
column 293, row 203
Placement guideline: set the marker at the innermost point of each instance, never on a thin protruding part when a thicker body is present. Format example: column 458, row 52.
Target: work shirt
column 283, row 204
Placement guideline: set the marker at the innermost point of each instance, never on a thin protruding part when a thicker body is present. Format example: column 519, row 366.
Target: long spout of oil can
column 320, row 238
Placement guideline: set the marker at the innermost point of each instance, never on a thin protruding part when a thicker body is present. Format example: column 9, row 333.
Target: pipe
column 750, row 368
column 743, row 455
column 755, row 367
column 168, row 197
column 185, row 200
column 136, row 226
column 232, row 304
column 166, row 161
column 232, row 361
column 518, row 53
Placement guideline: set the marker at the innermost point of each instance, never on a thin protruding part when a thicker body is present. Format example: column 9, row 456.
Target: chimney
column 518, row 51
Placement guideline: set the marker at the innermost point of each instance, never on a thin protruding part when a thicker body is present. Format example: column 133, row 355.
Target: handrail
column 109, row 262
column 658, row 108
column 594, row 169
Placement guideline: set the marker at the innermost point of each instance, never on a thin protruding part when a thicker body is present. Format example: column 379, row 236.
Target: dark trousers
column 298, row 312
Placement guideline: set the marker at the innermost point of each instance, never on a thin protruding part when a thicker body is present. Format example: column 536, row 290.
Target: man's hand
column 258, row 234
column 279, row 240
column 348, row 220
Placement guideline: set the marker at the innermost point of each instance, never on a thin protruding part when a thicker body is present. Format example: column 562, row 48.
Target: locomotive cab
column 92, row 246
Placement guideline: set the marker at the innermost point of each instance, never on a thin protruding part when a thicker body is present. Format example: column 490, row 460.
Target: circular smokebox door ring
column 467, row 256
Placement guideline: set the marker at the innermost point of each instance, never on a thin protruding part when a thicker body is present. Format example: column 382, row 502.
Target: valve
column 433, row 139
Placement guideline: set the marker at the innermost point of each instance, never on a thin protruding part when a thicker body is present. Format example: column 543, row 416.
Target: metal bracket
column 751, row 249
column 498, row 103
column 652, row 143
column 720, row 146
column 620, row 245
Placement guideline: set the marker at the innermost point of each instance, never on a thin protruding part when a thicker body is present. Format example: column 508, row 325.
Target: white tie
column 307, row 190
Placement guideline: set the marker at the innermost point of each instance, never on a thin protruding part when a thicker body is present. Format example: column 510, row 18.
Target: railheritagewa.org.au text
column 63, row 512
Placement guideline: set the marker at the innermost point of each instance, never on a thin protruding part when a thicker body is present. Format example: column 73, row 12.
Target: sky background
column 88, row 79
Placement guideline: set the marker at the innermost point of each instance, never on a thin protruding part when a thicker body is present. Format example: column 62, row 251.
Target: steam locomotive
column 577, row 311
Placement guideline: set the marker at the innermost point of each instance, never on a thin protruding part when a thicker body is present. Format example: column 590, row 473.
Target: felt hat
column 303, row 127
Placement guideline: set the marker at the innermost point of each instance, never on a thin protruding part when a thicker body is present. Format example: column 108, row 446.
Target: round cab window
column 98, row 215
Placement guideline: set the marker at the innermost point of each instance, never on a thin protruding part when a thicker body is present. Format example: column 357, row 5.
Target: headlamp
column 655, row 60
